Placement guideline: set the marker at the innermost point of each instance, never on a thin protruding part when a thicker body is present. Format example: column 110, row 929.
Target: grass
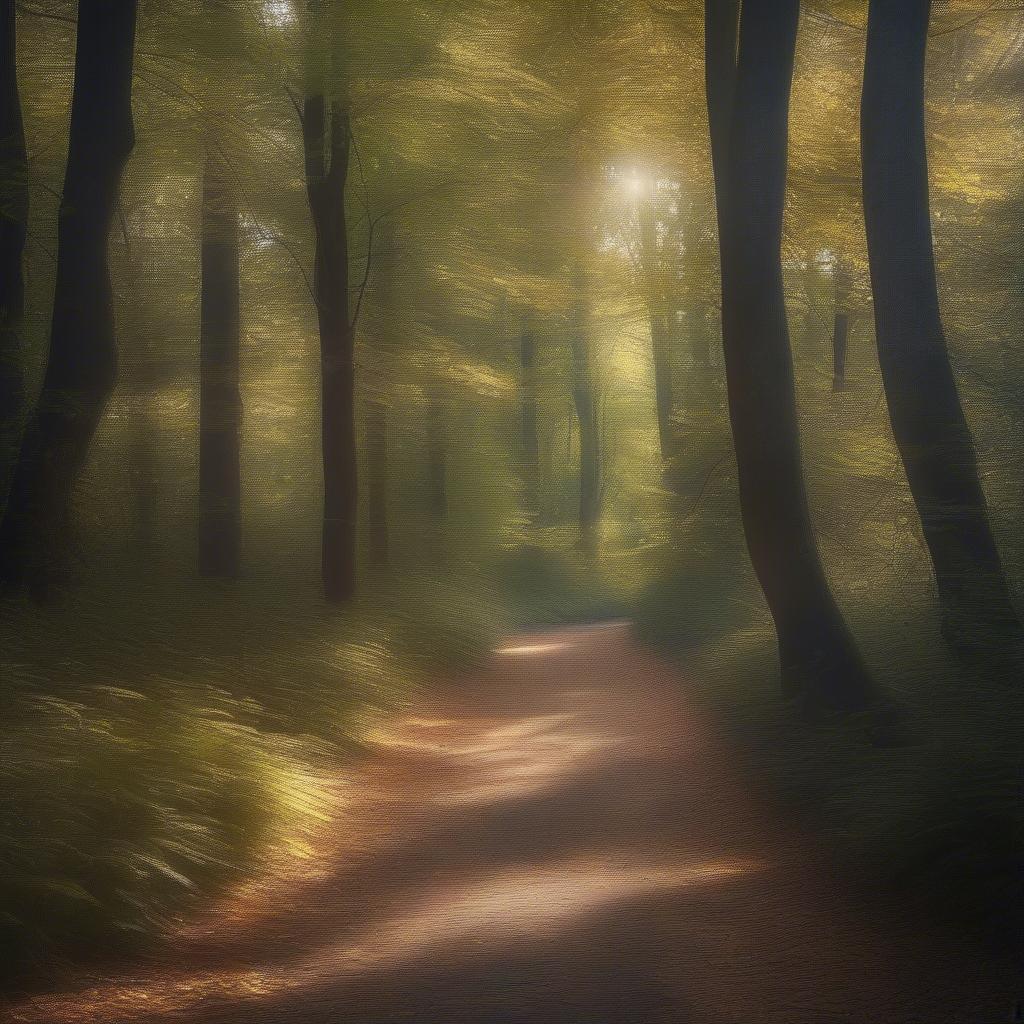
column 551, row 587
column 158, row 739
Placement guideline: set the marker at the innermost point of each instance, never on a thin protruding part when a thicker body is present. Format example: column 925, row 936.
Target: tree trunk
column 528, row 402
column 586, row 414
column 820, row 663
column 928, row 421
column 841, row 326
column 326, row 138
column 14, row 202
column 721, row 34
column 658, row 318
column 220, row 405
column 377, row 482
column 82, row 366
column 437, row 462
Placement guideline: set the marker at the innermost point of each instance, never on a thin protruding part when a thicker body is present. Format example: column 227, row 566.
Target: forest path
column 559, row 838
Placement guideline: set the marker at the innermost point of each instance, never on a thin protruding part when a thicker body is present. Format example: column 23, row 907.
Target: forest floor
column 561, row 836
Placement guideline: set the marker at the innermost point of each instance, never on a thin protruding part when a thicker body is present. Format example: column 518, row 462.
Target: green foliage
column 545, row 586
column 157, row 742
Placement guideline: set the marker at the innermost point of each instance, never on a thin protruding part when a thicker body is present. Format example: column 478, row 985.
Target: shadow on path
column 560, row 838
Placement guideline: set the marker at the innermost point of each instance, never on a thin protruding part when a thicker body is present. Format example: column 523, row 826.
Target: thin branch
column 371, row 225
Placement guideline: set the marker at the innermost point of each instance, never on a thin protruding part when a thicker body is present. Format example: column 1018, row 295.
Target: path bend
column 560, row 837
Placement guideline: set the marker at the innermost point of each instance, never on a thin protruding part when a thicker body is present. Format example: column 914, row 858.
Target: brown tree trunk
column 14, row 202
column 220, row 404
column 377, row 482
column 820, row 663
column 82, row 364
column 326, row 138
column 586, row 415
column 928, row 421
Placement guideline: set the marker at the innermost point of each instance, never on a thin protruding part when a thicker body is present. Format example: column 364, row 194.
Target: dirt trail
column 561, row 838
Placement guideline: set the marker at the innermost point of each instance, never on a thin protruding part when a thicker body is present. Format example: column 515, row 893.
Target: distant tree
column 326, row 132
column 529, row 430
column 14, row 202
column 585, row 402
column 820, row 662
column 376, row 419
column 928, row 421
column 659, row 314
column 82, row 365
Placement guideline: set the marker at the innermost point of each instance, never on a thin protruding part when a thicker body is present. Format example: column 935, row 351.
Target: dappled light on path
column 560, row 837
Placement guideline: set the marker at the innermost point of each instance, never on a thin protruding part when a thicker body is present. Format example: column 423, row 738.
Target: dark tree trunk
column 721, row 34
column 820, row 663
column 82, row 364
column 326, row 137
column 530, row 435
column 840, row 326
column 377, row 482
column 14, row 202
column 220, row 405
column 437, row 462
column 586, row 415
column 927, row 418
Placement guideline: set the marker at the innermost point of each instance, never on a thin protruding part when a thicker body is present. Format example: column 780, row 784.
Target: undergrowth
column 939, row 820
column 156, row 741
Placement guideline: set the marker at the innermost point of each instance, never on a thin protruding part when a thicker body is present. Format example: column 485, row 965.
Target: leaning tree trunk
column 586, row 415
column 326, row 136
column 377, row 482
column 82, row 366
column 840, row 325
column 928, row 421
column 820, row 663
column 13, row 229
column 528, row 412
column 220, row 405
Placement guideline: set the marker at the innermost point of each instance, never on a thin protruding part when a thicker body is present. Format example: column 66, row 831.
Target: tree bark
column 82, row 365
column 928, row 421
column 840, row 326
column 586, row 415
column 377, row 482
column 820, row 663
column 326, row 138
column 220, row 405
column 14, row 205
